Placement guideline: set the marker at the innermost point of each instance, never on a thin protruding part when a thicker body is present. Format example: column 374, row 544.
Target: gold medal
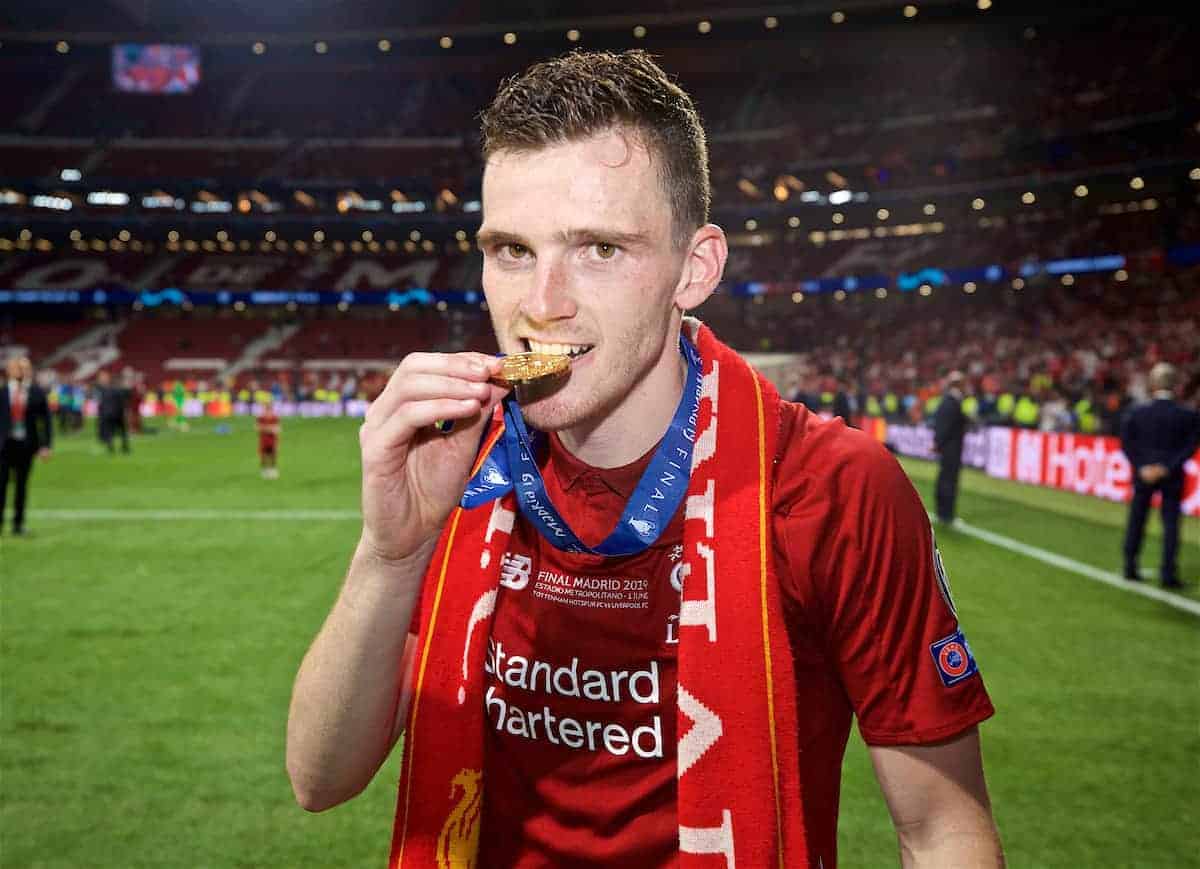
column 520, row 369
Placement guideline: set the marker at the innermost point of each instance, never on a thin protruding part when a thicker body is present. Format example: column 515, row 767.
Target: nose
column 549, row 298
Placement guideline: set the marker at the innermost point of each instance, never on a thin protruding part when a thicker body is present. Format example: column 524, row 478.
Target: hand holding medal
column 522, row 369
column 411, row 475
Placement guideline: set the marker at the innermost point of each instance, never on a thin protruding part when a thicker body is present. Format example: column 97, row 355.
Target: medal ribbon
column 511, row 465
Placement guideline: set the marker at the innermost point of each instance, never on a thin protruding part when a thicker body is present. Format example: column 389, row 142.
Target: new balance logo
column 515, row 570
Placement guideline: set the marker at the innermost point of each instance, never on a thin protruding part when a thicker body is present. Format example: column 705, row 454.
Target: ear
column 703, row 267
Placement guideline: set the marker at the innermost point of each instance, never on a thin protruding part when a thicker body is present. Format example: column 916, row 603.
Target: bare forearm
column 348, row 692
column 939, row 804
column 962, row 849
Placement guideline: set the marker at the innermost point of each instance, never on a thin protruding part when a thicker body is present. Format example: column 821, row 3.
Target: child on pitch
column 268, row 440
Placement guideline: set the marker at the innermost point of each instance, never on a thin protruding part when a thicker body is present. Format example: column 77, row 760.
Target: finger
column 476, row 367
column 469, row 366
column 496, row 394
column 492, row 364
column 404, row 431
column 403, row 425
column 422, row 387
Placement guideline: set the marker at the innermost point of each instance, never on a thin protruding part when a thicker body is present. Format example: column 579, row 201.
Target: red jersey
column 580, row 670
column 268, row 430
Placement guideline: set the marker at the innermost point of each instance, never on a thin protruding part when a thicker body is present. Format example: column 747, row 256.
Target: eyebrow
column 587, row 235
column 582, row 235
column 496, row 237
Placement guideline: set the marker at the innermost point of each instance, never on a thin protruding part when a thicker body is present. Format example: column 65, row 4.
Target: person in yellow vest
column 1027, row 411
column 1006, row 403
column 891, row 405
column 1086, row 417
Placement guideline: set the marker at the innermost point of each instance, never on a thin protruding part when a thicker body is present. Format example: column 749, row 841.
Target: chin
column 579, row 399
column 559, row 406
column 551, row 414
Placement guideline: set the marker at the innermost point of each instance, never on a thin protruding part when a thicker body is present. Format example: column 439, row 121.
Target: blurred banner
column 1086, row 464
column 221, row 405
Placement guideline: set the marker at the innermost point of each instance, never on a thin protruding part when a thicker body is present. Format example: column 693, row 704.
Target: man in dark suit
column 841, row 404
column 1158, row 437
column 111, row 402
column 25, row 432
column 949, row 429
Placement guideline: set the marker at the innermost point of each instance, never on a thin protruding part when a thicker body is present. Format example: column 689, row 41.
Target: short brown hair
column 584, row 93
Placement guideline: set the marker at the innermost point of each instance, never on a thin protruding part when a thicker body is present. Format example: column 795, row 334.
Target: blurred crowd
column 69, row 398
column 1053, row 355
column 1073, row 359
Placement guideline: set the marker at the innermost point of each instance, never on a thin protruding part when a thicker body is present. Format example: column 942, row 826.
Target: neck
column 633, row 427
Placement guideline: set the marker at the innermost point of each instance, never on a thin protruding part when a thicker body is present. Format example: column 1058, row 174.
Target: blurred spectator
column 1158, row 437
column 1056, row 416
column 25, row 431
column 111, row 400
column 949, row 431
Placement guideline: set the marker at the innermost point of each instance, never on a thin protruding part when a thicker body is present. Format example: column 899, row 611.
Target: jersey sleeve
column 876, row 592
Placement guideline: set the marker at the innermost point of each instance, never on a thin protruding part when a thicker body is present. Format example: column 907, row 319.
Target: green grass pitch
column 146, row 665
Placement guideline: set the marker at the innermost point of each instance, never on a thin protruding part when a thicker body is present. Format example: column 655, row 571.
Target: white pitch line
column 1078, row 567
column 196, row 515
column 1044, row 555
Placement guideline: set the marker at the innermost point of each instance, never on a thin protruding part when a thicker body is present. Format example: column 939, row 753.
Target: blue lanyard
column 511, row 465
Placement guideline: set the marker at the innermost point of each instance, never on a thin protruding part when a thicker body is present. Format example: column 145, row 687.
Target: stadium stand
column 381, row 340
column 162, row 348
column 333, row 194
column 39, row 340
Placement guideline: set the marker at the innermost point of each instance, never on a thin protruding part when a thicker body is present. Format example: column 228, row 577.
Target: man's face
column 12, row 369
column 579, row 257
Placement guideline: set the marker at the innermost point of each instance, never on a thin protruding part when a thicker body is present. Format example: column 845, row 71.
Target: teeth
column 558, row 349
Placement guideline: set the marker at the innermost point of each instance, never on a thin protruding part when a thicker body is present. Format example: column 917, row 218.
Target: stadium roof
column 221, row 20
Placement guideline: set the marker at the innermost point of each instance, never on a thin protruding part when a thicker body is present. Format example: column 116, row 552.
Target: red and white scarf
column 738, row 795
